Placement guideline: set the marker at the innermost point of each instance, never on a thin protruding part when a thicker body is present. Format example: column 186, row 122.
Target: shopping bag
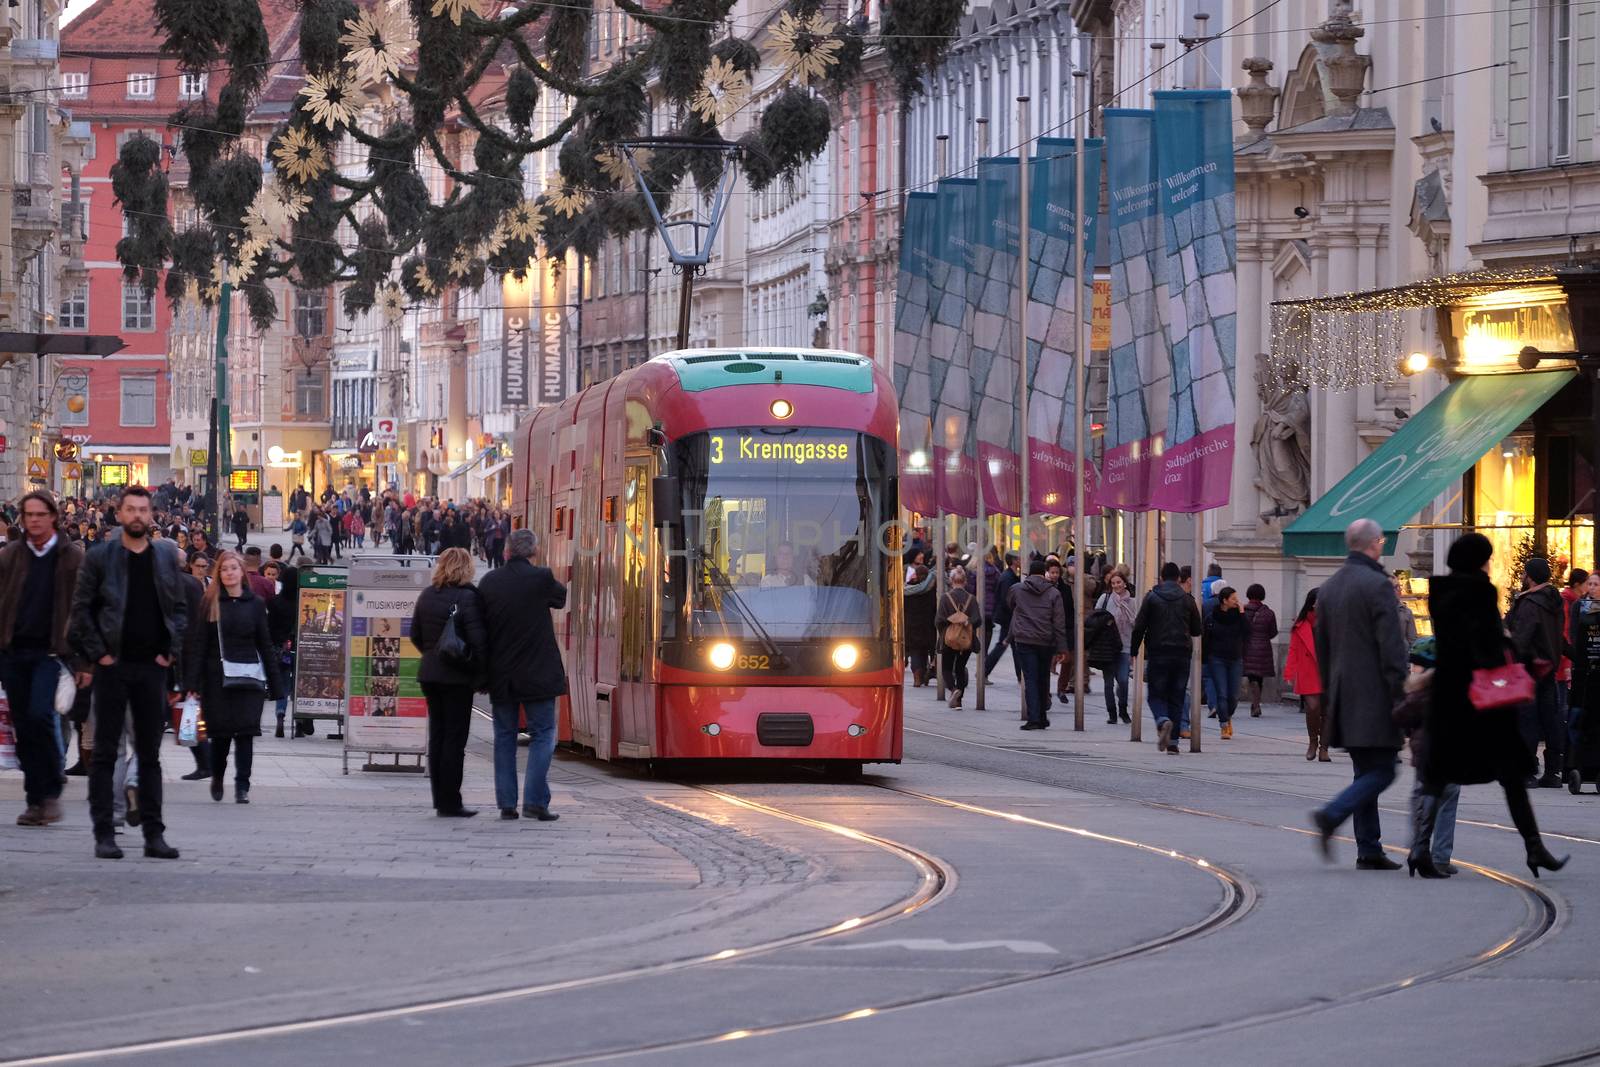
column 8, row 740
column 191, row 726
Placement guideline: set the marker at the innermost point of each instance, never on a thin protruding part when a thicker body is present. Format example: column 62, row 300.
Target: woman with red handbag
column 1477, row 685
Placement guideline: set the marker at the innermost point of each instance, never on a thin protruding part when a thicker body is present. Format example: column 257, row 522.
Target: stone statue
column 1282, row 444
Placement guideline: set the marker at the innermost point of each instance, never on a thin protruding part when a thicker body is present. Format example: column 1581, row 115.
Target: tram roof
column 699, row 369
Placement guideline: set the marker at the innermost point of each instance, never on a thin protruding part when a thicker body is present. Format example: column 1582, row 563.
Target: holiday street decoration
column 389, row 87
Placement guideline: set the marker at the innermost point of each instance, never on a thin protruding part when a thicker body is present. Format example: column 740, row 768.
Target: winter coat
column 1465, row 745
column 954, row 600
column 428, row 619
column 1569, row 597
column 1300, row 665
column 324, row 532
column 1225, row 634
column 1038, row 616
column 1584, row 650
column 1124, row 609
column 1535, row 624
column 1167, row 623
column 101, row 598
column 14, row 560
column 283, row 610
column 524, row 660
column 1001, row 613
column 242, row 627
column 921, row 636
column 1360, row 655
column 1261, row 626
column 991, row 585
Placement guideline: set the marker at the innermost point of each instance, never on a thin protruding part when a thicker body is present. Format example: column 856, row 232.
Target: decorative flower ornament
column 213, row 288
column 495, row 241
column 335, row 99
column 392, row 302
column 461, row 264
column 522, row 221
column 379, row 42
column 722, row 93
column 300, row 156
column 565, row 199
column 424, row 280
column 807, row 46
column 456, row 8
column 614, row 163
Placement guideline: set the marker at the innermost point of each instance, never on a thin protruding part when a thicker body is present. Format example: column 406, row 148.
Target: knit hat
column 1469, row 552
column 1537, row 569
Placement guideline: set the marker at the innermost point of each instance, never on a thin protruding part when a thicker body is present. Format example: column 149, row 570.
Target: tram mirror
column 666, row 500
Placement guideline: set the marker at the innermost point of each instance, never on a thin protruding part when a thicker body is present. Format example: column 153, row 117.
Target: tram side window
column 635, row 606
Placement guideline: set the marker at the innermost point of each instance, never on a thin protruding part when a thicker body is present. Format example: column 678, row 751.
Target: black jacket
column 1535, row 624
column 427, row 624
column 524, row 660
column 283, row 610
column 242, row 628
column 1167, row 623
column 1225, row 634
column 1001, row 610
column 102, row 596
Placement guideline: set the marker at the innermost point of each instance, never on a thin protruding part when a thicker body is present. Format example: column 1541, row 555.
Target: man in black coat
column 1362, row 659
column 525, row 672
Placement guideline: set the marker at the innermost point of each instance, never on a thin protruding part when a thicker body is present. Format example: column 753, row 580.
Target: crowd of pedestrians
column 116, row 614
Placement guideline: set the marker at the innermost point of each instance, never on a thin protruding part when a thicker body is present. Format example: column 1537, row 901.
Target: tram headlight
column 846, row 656
column 781, row 409
column 722, row 655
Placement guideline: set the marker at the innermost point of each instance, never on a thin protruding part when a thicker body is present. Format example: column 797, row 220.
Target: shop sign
column 245, row 480
column 73, row 472
column 115, row 473
column 198, row 457
column 38, row 468
column 386, row 455
column 385, row 430
column 1100, row 316
column 281, row 460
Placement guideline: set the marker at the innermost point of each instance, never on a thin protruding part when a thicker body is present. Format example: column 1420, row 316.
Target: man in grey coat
column 1363, row 663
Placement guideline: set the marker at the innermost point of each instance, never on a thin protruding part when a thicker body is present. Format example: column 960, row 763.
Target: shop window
column 1503, row 508
column 138, row 400
column 310, row 396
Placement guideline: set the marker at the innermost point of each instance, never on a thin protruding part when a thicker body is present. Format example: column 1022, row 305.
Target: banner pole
column 1145, row 580
column 1080, row 353
column 936, row 549
column 1196, row 663
column 985, row 611
column 1024, row 504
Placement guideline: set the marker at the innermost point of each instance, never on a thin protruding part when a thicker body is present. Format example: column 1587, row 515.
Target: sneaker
column 1184, row 734
column 1227, row 731
column 196, row 775
column 542, row 814
column 1032, row 726
column 508, row 814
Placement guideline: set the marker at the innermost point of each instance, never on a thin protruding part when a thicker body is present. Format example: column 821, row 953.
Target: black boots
column 533, row 811
column 156, row 848
column 105, row 848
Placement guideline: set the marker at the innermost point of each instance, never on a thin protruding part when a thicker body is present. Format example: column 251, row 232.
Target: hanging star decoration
column 460, row 263
column 212, row 291
column 807, row 46
column 565, row 199
column 722, row 93
column 495, row 241
column 424, row 280
column 455, row 9
column 392, row 302
column 287, row 199
column 522, row 221
column 379, row 42
column 335, row 99
column 300, row 156
column 614, row 163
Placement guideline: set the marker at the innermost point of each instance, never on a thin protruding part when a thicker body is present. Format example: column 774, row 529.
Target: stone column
column 1333, row 412
column 1245, row 504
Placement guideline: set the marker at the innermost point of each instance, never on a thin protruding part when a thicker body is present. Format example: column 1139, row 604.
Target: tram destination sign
column 742, row 451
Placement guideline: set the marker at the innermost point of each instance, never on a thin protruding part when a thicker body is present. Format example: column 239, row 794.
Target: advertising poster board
column 272, row 512
column 386, row 711
column 319, row 686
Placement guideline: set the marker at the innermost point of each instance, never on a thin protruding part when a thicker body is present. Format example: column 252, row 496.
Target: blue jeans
column 1226, row 676
column 30, row 679
column 1035, row 663
column 1443, row 844
column 542, row 730
column 1374, row 772
column 1165, row 681
column 1117, row 684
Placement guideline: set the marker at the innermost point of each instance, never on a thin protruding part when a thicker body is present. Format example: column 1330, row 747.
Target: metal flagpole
column 985, row 611
column 1023, row 196
column 1145, row 579
column 1197, row 714
column 941, row 162
column 1080, row 352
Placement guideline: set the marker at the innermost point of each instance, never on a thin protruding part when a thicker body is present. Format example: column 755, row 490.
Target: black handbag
column 452, row 646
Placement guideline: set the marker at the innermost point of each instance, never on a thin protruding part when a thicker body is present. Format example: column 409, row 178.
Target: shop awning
column 469, row 464
column 1424, row 457
column 496, row 469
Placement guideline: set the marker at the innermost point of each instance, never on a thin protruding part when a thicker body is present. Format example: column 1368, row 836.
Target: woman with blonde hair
column 450, row 672
column 230, row 664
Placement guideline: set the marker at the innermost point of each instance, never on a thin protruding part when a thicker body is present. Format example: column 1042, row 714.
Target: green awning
column 1429, row 452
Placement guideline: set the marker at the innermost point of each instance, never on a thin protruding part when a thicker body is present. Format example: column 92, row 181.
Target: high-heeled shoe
column 1539, row 856
column 1423, row 866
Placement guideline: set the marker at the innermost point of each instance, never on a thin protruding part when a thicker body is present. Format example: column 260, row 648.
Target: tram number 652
column 753, row 663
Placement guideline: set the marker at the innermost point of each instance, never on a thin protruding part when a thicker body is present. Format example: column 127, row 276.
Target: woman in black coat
column 921, row 636
column 283, row 614
column 232, row 621
column 1464, row 745
column 448, row 684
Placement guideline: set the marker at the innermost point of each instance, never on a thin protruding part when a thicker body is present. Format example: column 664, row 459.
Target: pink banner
column 1195, row 477
column 1052, row 475
column 1001, row 477
column 918, row 489
column 957, row 483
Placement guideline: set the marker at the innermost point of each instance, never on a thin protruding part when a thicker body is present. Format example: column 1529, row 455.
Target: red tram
column 726, row 522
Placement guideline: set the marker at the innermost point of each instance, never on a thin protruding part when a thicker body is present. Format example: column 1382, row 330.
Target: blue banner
column 913, row 326
column 949, row 355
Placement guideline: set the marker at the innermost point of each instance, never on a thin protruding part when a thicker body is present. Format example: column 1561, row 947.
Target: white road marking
column 939, row 944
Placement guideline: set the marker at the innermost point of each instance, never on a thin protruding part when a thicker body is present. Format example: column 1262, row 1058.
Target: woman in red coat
column 1300, row 670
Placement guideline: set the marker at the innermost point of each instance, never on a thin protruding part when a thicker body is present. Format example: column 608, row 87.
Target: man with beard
column 129, row 612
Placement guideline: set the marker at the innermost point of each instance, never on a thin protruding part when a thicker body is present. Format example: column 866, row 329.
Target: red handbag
column 1501, row 687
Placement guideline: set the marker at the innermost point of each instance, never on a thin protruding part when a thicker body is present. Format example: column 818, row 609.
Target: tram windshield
column 784, row 533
